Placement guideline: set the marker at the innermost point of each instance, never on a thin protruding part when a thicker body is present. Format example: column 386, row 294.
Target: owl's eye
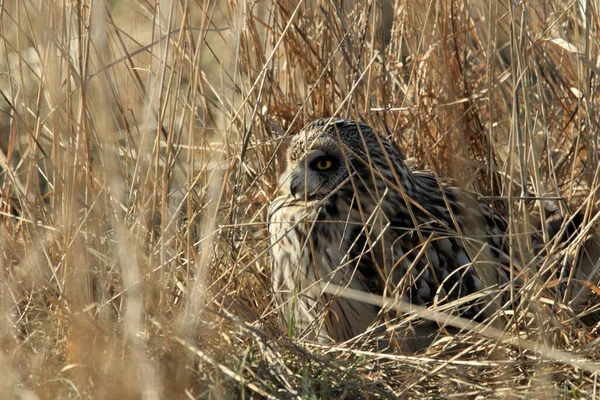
column 322, row 164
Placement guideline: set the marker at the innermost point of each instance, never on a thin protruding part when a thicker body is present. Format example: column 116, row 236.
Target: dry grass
column 140, row 144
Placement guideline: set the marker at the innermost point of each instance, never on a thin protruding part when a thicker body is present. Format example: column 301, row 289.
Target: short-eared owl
column 353, row 215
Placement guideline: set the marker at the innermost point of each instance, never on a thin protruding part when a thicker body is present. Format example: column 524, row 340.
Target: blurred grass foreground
column 141, row 142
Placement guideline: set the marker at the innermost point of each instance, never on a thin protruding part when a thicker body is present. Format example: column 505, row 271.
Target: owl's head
column 327, row 153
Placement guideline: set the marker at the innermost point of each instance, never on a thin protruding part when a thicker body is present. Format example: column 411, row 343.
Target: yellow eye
column 324, row 165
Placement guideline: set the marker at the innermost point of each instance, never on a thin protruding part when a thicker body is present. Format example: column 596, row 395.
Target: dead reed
column 141, row 143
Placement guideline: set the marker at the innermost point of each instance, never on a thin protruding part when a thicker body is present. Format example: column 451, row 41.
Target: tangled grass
column 141, row 143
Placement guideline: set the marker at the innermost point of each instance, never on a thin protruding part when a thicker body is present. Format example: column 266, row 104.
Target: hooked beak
column 295, row 189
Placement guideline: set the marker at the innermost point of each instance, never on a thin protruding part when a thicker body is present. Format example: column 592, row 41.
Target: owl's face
column 323, row 156
column 317, row 166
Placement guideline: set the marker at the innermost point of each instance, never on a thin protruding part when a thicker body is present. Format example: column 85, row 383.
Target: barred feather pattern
column 371, row 224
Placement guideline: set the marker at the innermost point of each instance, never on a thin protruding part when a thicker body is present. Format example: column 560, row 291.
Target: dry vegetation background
column 141, row 142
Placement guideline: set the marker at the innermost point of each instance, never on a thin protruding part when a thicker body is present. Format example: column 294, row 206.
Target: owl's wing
column 439, row 248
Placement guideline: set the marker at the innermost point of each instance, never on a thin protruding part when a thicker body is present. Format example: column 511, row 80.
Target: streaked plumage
column 366, row 221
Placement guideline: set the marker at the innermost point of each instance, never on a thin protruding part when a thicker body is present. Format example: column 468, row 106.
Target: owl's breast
column 311, row 269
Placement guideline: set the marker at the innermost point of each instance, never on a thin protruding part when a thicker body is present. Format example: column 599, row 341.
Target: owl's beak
column 295, row 188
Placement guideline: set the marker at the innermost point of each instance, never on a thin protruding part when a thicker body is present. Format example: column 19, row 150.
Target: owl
column 352, row 215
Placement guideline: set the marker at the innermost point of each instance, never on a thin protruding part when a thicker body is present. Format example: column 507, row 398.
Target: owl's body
column 353, row 215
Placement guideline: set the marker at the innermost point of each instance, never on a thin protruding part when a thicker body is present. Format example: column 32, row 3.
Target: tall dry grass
column 142, row 141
